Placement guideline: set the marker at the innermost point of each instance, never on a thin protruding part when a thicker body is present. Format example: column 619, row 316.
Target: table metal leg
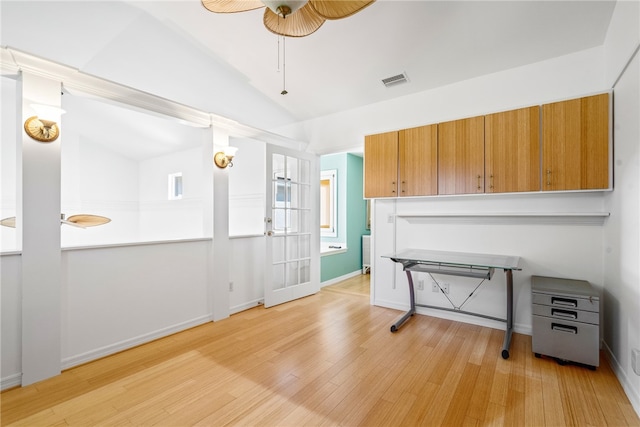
column 509, row 331
column 412, row 308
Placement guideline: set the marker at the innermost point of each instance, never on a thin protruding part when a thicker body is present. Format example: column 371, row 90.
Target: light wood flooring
column 325, row 360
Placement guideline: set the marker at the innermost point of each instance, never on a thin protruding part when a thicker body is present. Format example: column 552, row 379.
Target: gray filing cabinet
column 566, row 319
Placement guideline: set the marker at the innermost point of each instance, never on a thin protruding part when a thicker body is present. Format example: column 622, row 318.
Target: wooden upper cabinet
column 512, row 151
column 461, row 156
column 575, row 144
column 418, row 160
column 381, row 165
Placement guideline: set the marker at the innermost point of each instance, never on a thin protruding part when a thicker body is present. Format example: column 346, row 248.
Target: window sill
column 332, row 248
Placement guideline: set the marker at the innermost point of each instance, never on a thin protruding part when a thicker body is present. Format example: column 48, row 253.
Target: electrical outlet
column 230, row 286
column 421, row 285
column 443, row 286
column 635, row 360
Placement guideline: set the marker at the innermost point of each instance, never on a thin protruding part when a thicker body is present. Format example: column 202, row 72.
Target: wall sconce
column 41, row 129
column 224, row 158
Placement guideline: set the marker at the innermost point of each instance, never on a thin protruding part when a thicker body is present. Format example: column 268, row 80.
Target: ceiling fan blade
column 85, row 220
column 337, row 9
column 300, row 23
column 9, row 222
column 231, row 6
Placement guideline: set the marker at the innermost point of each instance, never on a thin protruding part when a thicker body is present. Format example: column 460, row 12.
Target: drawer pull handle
column 564, row 313
column 564, row 328
column 565, row 302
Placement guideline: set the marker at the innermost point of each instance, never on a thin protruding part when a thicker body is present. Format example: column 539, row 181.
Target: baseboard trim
column 245, row 306
column 79, row 359
column 340, row 279
column 633, row 395
column 14, row 380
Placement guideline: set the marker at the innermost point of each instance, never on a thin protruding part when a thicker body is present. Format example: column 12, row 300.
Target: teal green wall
column 352, row 213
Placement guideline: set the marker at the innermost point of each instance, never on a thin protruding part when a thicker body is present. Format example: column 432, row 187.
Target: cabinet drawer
column 566, row 314
column 567, row 302
column 572, row 341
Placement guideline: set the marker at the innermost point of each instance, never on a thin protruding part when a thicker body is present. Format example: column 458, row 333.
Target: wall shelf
column 574, row 218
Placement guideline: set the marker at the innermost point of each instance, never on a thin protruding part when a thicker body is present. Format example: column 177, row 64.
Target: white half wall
column 247, row 272
column 118, row 297
column 10, row 321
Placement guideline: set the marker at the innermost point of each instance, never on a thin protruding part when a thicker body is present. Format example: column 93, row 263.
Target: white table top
column 456, row 258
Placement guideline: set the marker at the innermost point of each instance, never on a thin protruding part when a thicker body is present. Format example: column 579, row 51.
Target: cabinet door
column 512, row 150
column 461, row 156
column 381, row 165
column 575, row 144
column 418, row 160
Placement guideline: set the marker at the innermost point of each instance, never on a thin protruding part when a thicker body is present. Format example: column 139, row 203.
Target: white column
column 221, row 244
column 41, row 255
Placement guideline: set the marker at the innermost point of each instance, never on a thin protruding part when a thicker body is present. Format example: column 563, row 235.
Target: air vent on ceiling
column 395, row 80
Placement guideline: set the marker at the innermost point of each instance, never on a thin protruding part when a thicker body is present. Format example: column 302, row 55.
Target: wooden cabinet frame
column 559, row 146
column 512, row 151
column 461, row 156
column 575, row 144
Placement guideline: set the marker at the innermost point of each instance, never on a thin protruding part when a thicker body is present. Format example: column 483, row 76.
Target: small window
column 328, row 203
column 175, row 186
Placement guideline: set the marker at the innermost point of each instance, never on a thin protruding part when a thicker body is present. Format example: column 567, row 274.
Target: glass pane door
column 292, row 262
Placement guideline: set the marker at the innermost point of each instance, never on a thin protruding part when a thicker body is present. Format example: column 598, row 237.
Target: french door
column 292, row 227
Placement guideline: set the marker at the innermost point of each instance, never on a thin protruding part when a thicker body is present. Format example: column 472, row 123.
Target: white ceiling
column 228, row 63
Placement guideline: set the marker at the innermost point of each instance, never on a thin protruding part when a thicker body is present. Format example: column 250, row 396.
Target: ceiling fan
column 81, row 220
column 291, row 18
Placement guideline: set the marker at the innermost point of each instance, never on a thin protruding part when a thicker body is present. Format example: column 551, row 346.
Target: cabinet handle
column 393, row 183
column 491, row 182
column 573, row 315
column 548, row 176
column 403, row 183
column 564, row 328
column 479, row 182
column 565, row 302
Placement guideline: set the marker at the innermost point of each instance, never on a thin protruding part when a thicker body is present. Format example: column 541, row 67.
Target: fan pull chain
column 284, row 72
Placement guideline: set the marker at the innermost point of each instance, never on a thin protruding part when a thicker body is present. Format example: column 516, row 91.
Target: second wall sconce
column 41, row 129
column 224, row 158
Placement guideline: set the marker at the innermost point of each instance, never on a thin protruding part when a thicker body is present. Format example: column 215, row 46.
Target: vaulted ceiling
column 229, row 64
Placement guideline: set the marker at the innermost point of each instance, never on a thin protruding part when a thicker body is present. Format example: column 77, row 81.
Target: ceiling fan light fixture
column 284, row 8
column 303, row 17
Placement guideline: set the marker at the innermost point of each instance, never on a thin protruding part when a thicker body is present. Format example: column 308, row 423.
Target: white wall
column 98, row 181
column 622, row 231
column 247, row 186
column 548, row 246
column 568, row 76
column 115, row 298
column 247, row 275
column 163, row 219
column 119, row 175
column 247, row 181
column 8, row 160
column 10, row 320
